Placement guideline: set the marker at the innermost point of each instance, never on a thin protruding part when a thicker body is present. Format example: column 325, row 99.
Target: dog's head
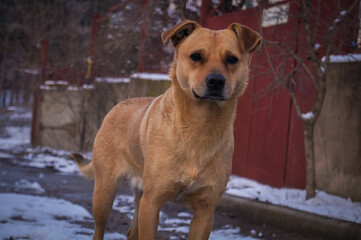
column 212, row 65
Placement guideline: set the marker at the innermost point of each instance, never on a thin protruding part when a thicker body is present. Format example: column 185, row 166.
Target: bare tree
column 319, row 35
column 26, row 24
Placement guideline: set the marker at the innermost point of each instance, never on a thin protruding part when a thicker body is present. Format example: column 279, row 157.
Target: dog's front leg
column 202, row 222
column 148, row 218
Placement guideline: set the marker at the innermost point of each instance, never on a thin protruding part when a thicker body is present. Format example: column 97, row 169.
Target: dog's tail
column 85, row 166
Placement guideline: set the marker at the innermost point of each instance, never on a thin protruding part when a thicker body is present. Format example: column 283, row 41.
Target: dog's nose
column 215, row 81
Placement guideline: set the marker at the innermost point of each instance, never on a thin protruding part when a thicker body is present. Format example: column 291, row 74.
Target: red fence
column 268, row 134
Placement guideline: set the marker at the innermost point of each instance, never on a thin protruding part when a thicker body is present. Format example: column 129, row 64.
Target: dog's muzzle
column 215, row 84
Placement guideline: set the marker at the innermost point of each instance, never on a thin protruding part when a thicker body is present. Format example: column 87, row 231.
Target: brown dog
column 178, row 146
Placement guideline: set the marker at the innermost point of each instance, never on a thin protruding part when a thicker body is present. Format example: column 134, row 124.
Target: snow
column 184, row 214
column 42, row 218
column 51, row 85
column 112, row 80
column 43, row 157
column 355, row 57
column 323, row 204
column 73, row 88
column 32, row 71
column 53, row 82
column 342, row 13
column 25, row 184
column 124, row 204
column 5, row 155
column 228, row 234
column 317, row 46
column 46, row 87
column 17, row 136
column 308, row 115
column 151, row 76
column 88, row 86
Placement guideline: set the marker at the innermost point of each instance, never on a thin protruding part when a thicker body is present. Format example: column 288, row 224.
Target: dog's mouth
column 210, row 96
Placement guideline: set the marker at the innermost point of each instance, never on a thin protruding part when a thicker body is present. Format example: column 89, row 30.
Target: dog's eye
column 232, row 60
column 196, row 57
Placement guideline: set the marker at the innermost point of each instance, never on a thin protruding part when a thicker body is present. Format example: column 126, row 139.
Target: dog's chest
column 189, row 182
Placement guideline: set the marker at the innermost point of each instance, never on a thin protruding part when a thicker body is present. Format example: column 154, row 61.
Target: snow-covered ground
column 34, row 217
column 25, row 216
column 323, row 204
column 179, row 224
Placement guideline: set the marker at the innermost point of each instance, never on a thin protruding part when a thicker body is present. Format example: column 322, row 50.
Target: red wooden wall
column 268, row 133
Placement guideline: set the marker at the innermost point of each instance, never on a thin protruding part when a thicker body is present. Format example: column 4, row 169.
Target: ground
column 42, row 196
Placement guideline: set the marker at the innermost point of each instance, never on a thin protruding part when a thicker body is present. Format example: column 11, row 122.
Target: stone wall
column 151, row 85
column 338, row 133
column 69, row 116
column 59, row 116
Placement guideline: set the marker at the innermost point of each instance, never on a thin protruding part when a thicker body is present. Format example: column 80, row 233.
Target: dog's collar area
column 209, row 97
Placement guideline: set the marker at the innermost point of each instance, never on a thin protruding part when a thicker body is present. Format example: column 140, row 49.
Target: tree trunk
column 310, row 161
column 2, row 72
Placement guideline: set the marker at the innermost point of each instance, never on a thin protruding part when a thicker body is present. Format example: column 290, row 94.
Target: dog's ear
column 250, row 40
column 177, row 33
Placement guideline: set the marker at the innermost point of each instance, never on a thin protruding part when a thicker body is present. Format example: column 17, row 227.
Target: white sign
column 275, row 15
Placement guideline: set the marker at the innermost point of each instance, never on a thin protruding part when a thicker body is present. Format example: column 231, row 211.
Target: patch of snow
column 46, row 87
column 228, row 234
column 308, row 115
column 253, row 232
column 53, row 82
column 5, row 155
column 15, row 136
column 124, row 204
column 41, row 218
column 178, row 229
column 21, row 115
column 25, row 184
column 112, row 79
column 176, row 221
column 32, row 71
column 355, row 57
column 322, row 204
column 88, row 86
column 317, row 46
column 342, row 13
column 151, row 76
column 73, row 88
column 13, row 108
column 33, row 217
column 185, row 215
column 43, row 159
